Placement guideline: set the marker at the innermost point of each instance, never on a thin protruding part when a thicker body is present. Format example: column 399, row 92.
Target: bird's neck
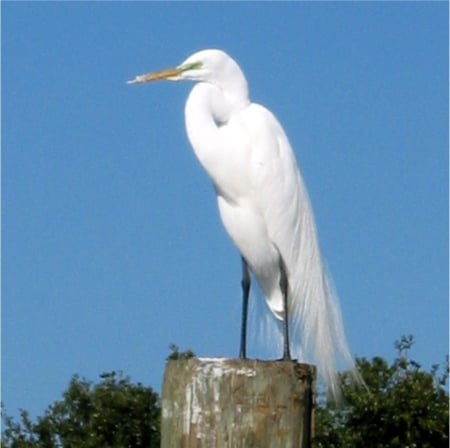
column 209, row 107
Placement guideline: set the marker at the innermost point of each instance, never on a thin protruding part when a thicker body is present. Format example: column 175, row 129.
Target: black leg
column 245, row 283
column 284, row 286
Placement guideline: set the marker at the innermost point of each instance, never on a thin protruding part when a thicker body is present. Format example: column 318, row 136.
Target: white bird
column 264, row 207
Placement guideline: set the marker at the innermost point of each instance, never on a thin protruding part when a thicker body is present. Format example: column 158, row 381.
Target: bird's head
column 213, row 66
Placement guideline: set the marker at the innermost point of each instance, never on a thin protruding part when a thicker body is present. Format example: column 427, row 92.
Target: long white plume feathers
column 317, row 332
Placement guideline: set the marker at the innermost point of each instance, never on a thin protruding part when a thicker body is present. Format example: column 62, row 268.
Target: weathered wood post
column 234, row 403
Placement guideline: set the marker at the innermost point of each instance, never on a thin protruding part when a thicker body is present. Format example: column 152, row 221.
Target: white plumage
column 263, row 204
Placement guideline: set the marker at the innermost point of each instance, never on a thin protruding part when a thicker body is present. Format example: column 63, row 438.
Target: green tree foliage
column 114, row 413
column 404, row 406
column 175, row 353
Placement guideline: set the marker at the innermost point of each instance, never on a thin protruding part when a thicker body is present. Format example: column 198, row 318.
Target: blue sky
column 112, row 245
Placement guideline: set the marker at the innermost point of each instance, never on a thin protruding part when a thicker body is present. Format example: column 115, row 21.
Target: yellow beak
column 156, row 76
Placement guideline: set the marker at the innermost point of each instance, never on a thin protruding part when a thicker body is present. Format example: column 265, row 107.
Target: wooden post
column 235, row 403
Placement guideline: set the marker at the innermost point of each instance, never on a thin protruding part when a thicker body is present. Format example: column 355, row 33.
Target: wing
column 280, row 195
column 277, row 186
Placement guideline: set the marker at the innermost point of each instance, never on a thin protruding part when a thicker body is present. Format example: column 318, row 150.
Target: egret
column 264, row 208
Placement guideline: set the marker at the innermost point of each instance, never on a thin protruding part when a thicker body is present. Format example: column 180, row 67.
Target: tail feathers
column 317, row 332
column 317, row 329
